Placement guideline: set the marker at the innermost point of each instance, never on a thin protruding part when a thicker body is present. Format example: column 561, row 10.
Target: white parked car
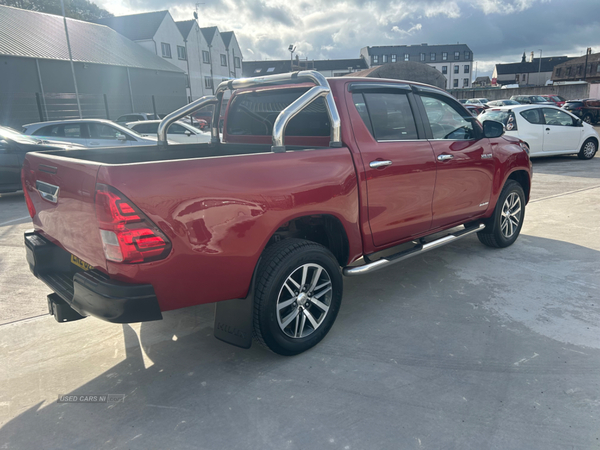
column 477, row 101
column 547, row 130
column 179, row 132
column 89, row 133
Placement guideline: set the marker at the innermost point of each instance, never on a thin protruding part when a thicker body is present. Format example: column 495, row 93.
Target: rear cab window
column 254, row 113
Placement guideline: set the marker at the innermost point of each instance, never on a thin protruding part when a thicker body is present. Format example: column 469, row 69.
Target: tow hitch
column 61, row 310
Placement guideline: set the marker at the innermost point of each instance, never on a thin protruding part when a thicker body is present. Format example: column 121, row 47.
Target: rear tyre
column 588, row 149
column 298, row 295
column 504, row 226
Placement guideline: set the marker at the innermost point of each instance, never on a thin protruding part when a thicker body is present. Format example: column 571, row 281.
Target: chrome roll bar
column 321, row 89
column 164, row 125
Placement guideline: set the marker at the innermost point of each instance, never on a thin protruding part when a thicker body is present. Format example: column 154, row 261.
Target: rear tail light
column 28, row 201
column 128, row 235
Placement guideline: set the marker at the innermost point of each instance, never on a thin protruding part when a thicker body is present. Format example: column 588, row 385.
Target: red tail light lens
column 28, row 201
column 128, row 235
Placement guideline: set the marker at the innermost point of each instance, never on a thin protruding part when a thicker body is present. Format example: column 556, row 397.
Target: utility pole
column 292, row 49
column 62, row 4
column 540, row 67
column 587, row 54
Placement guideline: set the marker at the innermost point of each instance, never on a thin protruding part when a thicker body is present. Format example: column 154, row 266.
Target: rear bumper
column 90, row 293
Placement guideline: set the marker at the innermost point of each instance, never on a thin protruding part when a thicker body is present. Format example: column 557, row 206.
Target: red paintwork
column 219, row 213
column 550, row 98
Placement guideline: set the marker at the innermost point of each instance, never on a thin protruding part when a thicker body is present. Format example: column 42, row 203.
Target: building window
column 393, row 58
column 444, row 70
column 223, row 60
column 456, row 55
column 517, row 78
column 456, row 69
column 406, row 57
column 432, row 56
column 465, row 82
column 445, row 56
column 384, row 58
column 208, row 82
column 181, row 52
column 236, row 62
column 422, row 56
column 205, row 57
column 558, row 71
column 568, row 71
column 375, row 59
column 257, row 70
column 271, row 69
column 467, row 55
column 166, row 49
column 523, row 77
column 466, row 68
column 456, row 82
column 597, row 69
column 578, row 70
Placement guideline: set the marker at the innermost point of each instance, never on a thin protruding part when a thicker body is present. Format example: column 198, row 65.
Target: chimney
column 523, row 59
column 531, row 57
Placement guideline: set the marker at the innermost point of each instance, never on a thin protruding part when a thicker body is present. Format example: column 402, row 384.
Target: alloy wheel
column 304, row 300
column 589, row 149
column 511, row 215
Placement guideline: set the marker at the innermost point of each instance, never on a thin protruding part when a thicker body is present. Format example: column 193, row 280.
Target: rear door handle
column 445, row 157
column 379, row 164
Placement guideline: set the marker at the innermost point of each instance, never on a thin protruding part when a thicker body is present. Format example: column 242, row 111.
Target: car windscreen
column 573, row 105
column 497, row 116
column 7, row 133
column 538, row 99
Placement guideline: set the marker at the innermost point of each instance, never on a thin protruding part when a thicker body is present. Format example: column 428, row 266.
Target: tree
column 75, row 9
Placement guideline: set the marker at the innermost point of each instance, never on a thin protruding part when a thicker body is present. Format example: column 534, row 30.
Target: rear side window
column 102, row 131
column 532, row 116
column 254, row 113
column 146, row 128
column 176, row 129
column 50, row 130
column 73, row 130
column 390, row 115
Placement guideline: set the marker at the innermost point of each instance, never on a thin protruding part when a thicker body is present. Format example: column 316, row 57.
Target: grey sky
column 496, row 30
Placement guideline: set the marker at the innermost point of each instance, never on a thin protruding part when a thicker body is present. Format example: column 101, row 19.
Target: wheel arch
column 521, row 177
column 324, row 229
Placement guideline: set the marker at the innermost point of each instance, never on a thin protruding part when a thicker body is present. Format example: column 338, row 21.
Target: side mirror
column 4, row 145
column 122, row 137
column 492, row 129
column 188, row 133
column 579, row 123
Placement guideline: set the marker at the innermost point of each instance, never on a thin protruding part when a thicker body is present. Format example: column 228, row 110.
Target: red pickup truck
column 313, row 179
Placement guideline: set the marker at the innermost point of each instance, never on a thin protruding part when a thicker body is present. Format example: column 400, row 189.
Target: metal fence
column 18, row 109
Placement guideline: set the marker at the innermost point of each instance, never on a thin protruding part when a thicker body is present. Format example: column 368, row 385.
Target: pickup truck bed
column 127, row 235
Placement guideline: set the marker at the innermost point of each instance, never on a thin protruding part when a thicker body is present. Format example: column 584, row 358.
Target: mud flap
column 233, row 321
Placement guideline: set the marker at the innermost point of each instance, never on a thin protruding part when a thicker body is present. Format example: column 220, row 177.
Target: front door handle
column 547, row 129
column 445, row 157
column 379, row 164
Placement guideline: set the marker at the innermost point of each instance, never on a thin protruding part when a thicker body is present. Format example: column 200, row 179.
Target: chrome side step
column 416, row 250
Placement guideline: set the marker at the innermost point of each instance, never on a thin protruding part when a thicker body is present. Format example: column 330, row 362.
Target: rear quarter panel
column 219, row 214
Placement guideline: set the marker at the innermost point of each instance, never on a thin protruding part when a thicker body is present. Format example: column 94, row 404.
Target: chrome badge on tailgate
column 47, row 191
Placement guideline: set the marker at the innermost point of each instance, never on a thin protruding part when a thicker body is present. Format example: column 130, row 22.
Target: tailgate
column 67, row 216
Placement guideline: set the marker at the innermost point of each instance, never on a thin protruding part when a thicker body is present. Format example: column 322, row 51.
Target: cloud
column 496, row 30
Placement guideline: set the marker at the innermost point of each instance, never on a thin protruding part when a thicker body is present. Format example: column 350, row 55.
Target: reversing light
column 128, row 235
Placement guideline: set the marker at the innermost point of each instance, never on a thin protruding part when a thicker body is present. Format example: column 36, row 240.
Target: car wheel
column 588, row 149
column 503, row 228
column 298, row 296
column 587, row 118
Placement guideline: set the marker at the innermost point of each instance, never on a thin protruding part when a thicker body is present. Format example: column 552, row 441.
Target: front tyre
column 588, row 149
column 505, row 225
column 298, row 295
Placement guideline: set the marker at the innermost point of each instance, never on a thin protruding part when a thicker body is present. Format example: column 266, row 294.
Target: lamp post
column 292, row 49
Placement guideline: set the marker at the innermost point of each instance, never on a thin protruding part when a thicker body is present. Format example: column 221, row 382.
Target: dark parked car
column 532, row 100
column 588, row 109
column 13, row 146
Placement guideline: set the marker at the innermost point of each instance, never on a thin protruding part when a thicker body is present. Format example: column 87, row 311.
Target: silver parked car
column 89, row 133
